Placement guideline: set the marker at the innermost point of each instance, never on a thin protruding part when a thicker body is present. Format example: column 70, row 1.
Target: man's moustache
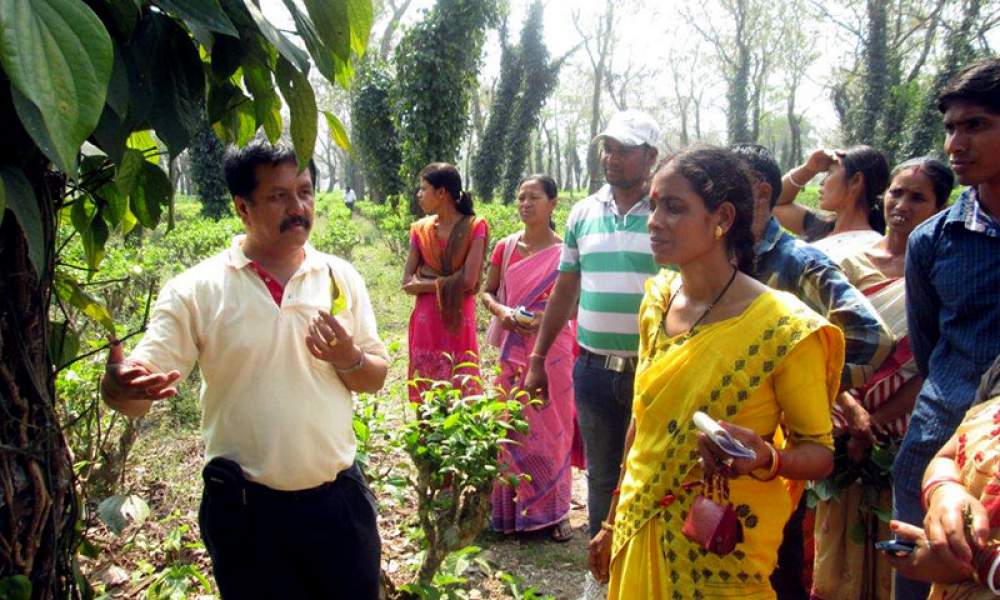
column 292, row 221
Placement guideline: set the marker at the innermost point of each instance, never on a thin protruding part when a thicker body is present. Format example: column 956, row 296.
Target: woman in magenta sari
column 446, row 259
column 523, row 269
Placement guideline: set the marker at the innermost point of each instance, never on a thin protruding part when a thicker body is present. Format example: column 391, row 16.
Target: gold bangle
column 772, row 472
column 608, row 526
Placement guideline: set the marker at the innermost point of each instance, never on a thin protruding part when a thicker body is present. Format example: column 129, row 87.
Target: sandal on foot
column 562, row 531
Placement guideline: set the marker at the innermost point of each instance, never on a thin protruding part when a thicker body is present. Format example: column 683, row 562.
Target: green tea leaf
column 129, row 171
column 71, row 293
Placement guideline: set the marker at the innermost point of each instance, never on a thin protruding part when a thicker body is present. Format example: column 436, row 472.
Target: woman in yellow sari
column 715, row 340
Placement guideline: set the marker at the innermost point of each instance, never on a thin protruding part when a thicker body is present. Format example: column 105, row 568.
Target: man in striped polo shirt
column 605, row 262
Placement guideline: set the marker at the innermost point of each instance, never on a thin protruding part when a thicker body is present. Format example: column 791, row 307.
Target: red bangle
column 616, row 492
column 932, row 484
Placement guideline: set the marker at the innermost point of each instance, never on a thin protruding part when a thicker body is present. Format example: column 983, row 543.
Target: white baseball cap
column 632, row 128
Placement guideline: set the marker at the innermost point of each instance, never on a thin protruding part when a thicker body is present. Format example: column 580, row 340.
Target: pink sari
column 552, row 444
column 438, row 352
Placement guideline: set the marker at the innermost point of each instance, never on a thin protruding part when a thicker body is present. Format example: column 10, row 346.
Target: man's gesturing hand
column 128, row 379
column 329, row 341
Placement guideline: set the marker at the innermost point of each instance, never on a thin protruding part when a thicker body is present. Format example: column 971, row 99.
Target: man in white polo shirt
column 285, row 513
column 606, row 260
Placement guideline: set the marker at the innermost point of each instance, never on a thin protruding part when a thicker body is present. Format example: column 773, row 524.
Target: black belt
column 618, row 364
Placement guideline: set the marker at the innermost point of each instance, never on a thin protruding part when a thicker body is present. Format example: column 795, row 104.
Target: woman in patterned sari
column 847, row 566
column 712, row 339
column 522, row 272
column 959, row 547
column 442, row 271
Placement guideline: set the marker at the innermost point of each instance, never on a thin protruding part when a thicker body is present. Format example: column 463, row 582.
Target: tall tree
column 374, row 131
column 107, row 73
column 877, row 97
column 437, row 62
column 207, row 156
column 740, row 41
column 927, row 132
column 538, row 81
column 487, row 164
column 796, row 54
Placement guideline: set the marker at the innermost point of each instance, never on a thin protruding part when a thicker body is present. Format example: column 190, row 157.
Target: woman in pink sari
column 443, row 268
column 523, row 269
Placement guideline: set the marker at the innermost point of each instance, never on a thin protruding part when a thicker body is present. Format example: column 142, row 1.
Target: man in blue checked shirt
column 786, row 263
column 953, row 288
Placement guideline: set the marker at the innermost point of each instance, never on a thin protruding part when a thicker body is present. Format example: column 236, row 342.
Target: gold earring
column 718, row 232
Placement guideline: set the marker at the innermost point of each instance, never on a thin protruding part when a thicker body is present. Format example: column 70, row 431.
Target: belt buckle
column 614, row 363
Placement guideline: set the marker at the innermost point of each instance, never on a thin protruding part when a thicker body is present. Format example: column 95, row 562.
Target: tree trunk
column 795, row 133
column 594, row 178
column 876, row 72
column 38, row 507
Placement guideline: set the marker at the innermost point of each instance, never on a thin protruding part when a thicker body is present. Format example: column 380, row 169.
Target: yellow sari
column 777, row 362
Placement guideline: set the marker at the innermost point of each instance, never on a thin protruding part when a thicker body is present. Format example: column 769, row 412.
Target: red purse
column 714, row 526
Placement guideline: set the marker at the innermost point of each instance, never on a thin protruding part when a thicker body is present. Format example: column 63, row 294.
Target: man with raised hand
column 285, row 513
column 605, row 263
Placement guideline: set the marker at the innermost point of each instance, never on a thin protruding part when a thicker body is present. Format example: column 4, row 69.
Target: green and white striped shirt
column 612, row 254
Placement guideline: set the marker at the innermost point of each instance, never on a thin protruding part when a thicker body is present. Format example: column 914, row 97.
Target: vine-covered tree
column 538, row 79
column 740, row 40
column 207, row 155
column 374, row 131
column 436, row 66
column 927, row 131
column 487, row 165
column 886, row 97
column 112, row 73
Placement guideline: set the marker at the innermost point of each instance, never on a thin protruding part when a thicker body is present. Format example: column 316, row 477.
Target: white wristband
column 792, row 181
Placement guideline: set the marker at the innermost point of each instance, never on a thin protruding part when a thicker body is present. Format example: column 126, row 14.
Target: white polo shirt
column 267, row 403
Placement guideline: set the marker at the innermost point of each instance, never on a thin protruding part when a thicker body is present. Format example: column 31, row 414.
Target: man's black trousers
column 319, row 543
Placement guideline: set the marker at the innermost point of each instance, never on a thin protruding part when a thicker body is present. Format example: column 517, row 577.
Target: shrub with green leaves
column 454, row 442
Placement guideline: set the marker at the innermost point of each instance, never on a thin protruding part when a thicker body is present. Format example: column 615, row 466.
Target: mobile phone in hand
column 722, row 438
column 896, row 547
